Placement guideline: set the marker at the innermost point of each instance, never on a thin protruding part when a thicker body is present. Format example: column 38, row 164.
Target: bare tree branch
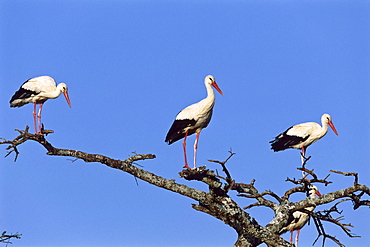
column 348, row 174
column 5, row 238
column 216, row 202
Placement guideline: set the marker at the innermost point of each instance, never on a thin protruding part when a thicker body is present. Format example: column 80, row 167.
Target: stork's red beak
column 317, row 193
column 333, row 128
column 67, row 98
column 214, row 84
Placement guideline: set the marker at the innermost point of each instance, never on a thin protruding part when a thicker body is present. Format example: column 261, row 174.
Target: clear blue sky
column 131, row 66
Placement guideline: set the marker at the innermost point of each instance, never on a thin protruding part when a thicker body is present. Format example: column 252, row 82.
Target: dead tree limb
column 5, row 238
column 217, row 202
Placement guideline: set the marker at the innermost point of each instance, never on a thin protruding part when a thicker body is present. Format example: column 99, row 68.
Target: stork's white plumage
column 299, row 218
column 300, row 136
column 38, row 90
column 194, row 118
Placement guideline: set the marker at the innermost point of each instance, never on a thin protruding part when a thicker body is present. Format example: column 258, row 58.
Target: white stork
column 38, row 90
column 194, row 118
column 300, row 218
column 302, row 135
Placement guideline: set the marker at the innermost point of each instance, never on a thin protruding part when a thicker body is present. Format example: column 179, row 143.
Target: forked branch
column 216, row 201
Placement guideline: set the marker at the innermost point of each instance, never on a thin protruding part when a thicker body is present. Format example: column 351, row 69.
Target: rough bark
column 216, row 201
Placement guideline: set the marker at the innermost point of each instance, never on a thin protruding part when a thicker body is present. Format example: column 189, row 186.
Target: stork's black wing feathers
column 22, row 93
column 291, row 220
column 177, row 132
column 284, row 141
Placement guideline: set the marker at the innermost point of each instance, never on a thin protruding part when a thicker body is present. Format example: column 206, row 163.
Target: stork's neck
column 207, row 103
column 312, row 195
column 210, row 94
column 324, row 127
column 53, row 94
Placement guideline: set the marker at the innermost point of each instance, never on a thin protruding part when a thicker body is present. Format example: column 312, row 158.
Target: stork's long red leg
column 184, row 146
column 304, row 152
column 296, row 237
column 39, row 119
column 195, row 148
column 303, row 159
column 291, row 236
column 34, row 117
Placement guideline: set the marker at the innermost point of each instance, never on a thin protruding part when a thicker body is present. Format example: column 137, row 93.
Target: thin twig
column 355, row 174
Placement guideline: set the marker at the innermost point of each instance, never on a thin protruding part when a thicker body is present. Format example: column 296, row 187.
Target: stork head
column 64, row 89
column 326, row 118
column 210, row 80
column 313, row 191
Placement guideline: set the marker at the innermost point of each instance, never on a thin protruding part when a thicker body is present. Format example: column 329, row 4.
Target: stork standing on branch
column 194, row 118
column 38, row 90
column 302, row 135
column 300, row 218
